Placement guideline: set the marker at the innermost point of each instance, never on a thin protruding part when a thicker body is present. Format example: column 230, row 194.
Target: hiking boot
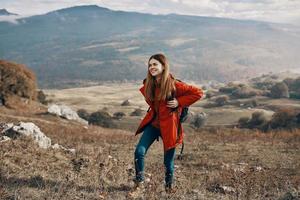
column 137, row 190
column 169, row 189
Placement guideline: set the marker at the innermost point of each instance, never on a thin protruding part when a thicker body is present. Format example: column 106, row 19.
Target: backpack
column 185, row 110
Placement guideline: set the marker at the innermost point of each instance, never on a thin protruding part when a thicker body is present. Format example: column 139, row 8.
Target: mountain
column 5, row 12
column 91, row 43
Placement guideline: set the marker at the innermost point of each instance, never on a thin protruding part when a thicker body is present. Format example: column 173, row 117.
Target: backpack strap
column 180, row 156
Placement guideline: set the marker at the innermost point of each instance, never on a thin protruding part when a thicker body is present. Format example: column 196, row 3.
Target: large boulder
column 10, row 131
column 27, row 129
column 17, row 83
column 65, row 112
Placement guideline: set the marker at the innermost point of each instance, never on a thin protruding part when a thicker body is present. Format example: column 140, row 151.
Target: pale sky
column 286, row 11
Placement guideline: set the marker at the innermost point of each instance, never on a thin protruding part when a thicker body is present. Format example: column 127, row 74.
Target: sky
column 282, row 11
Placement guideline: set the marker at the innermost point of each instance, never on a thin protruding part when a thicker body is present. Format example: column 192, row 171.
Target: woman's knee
column 140, row 151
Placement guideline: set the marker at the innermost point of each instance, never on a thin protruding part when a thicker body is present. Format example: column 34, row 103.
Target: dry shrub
column 243, row 121
column 137, row 112
column 15, row 102
column 209, row 94
column 258, row 118
column 199, row 120
column 229, row 88
column 42, row 97
column 293, row 84
column 264, row 85
column 240, row 90
column 119, row 115
column 285, row 118
column 83, row 113
column 280, row 90
column 282, row 119
column 245, row 92
column 289, row 82
column 294, row 95
column 222, row 100
column 16, row 81
column 101, row 118
column 294, row 87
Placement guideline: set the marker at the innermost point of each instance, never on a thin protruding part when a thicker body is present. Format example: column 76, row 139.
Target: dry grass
column 253, row 165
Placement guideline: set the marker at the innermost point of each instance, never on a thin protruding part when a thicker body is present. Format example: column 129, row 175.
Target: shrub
column 42, row 97
column 222, row 100
column 264, row 85
column 289, row 82
column 137, row 112
column 229, row 88
column 244, row 92
column 257, row 119
column 83, row 113
column 101, row 118
column 284, row 119
column 16, row 80
column 294, row 85
column 118, row 115
column 208, row 94
column 199, row 120
column 294, row 95
column 280, row 90
column 243, row 122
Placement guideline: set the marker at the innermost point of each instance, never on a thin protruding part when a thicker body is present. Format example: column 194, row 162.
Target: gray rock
column 27, row 129
column 65, row 112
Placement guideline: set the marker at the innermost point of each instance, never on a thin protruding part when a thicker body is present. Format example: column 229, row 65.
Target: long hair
column 167, row 82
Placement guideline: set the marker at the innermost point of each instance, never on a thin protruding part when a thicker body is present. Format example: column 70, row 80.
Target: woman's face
column 155, row 67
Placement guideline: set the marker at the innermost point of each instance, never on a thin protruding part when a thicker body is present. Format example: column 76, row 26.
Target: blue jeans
column 150, row 134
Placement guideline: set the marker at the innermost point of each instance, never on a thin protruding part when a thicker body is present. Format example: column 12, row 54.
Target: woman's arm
column 188, row 94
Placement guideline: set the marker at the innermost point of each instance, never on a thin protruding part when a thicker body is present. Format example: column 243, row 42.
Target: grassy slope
column 228, row 157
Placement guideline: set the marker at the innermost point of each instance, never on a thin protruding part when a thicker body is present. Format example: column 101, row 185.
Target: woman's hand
column 172, row 103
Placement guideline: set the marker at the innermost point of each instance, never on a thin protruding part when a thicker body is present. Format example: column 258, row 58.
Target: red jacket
column 185, row 95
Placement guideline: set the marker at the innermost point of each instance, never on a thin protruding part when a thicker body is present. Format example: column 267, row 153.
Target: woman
column 159, row 90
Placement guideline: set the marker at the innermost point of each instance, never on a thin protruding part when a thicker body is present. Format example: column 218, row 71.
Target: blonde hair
column 167, row 82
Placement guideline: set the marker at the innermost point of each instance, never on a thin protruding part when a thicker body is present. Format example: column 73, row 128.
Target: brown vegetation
column 279, row 90
column 281, row 119
column 119, row 115
column 285, row 118
column 101, row 118
column 41, row 97
column 16, row 83
column 84, row 114
column 137, row 112
column 221, row 100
